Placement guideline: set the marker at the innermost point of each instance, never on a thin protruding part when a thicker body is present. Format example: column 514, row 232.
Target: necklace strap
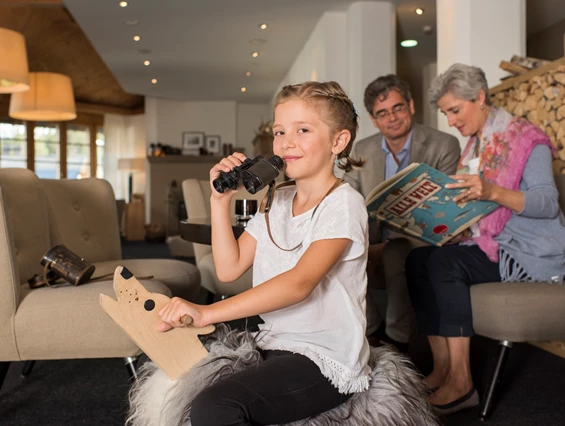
column 268, row 201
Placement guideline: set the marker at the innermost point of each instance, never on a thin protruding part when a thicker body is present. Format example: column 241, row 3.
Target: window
column 72, row 150
column 78, row 151
column 100, row 146
column 13, row 145
column 47, row 151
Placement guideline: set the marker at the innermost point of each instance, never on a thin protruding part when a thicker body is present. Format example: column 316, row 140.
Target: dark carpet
column 94, row 392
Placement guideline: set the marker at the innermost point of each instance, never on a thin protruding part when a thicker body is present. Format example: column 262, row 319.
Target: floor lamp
column 131, row 165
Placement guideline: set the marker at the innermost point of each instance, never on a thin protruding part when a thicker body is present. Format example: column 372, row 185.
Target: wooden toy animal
column 136, row 312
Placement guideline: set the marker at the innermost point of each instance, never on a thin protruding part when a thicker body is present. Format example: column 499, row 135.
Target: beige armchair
column 517, row 312
column 197, row 199
column 67, row 322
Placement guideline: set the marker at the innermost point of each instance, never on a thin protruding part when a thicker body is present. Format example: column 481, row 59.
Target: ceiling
column 199, row 50
column 55, row 43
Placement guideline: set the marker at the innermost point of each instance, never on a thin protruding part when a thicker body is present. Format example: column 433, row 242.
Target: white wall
column 353, row 48
column 479, row 33
column 167, row 119
column 249, row 117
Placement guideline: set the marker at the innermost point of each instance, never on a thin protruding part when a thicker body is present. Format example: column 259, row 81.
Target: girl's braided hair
column 338, row 112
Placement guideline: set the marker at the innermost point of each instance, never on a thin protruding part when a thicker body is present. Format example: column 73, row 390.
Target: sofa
column 67, row 322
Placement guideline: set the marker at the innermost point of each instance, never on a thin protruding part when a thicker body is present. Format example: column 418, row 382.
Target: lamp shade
column 50, row 98
column 13, row 65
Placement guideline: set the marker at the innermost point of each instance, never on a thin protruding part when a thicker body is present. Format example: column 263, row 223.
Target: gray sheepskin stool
column 396, row 396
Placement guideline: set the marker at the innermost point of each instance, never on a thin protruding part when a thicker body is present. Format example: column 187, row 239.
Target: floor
column 94, row 392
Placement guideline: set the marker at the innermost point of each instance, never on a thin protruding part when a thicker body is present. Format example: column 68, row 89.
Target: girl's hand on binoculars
column 225, row 165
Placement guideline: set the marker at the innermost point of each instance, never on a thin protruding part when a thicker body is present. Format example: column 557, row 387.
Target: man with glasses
column 399, row 143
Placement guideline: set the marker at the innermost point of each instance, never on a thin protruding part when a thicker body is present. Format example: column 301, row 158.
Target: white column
column 479, row 33
column 371, row 52
column 429, row 72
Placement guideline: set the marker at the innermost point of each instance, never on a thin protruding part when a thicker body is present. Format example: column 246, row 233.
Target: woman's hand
column 475, row 188
column 177, row 308
column 225, row 165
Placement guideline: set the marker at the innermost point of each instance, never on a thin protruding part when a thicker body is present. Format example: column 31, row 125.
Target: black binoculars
column 255, row 173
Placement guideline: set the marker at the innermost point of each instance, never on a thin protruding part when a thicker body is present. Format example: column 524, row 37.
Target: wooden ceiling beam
column 107, row 109
column 32, row 3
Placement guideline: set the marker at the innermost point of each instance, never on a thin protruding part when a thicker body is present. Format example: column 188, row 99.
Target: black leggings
column 284, row 388
column 438, row 282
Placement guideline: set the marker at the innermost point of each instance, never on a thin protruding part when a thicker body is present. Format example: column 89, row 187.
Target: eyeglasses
column 396, row 110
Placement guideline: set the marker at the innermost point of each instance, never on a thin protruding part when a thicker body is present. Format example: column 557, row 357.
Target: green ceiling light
column 409, row 43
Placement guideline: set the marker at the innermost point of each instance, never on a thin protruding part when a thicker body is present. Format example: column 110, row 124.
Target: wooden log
column 513, row 82
column 521, row 95
column 559, row 77
column 530, row 103
column 533, row 117
column 513, row 68
column 527, row 62
column 550, row 92
column 561, row 113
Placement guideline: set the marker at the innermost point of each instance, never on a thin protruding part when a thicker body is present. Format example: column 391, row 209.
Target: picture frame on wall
column 213, row 144
column 192, row 142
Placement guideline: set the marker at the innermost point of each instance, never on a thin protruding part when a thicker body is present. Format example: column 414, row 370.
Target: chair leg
column 4, row 366
column 503, row 352
column 26, row 369
column 131, row 366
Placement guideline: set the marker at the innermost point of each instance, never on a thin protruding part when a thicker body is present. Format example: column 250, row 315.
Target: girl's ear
column 341, row 141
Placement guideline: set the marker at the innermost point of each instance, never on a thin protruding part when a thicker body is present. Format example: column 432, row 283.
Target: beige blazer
column 432, row 147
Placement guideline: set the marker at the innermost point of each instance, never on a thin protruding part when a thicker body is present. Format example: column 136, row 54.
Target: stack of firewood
column 538, row 96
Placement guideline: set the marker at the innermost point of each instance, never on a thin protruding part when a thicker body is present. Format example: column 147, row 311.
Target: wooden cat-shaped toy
column 136, row 312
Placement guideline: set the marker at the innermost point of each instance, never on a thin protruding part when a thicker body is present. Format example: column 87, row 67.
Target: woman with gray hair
column 506, row 160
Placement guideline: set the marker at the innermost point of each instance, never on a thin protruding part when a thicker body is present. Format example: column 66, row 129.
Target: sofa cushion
column 68, row 322
column 27, row 219
column 519, row 311
column 83, row 216
column 182, row 278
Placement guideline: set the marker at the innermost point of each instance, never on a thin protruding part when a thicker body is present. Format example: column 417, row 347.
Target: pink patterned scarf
column 504, row 149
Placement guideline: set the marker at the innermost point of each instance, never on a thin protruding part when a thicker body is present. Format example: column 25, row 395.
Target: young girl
column 309, row 257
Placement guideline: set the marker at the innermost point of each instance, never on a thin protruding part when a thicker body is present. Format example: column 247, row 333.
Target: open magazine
column 416, row 202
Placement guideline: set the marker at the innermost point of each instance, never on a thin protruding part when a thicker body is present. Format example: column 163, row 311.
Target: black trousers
column 439, row 280
column 284, row 388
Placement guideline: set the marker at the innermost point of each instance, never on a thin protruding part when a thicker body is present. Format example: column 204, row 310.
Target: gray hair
column 462, row 81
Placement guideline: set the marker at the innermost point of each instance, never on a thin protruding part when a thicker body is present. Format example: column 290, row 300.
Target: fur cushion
column 396, row 396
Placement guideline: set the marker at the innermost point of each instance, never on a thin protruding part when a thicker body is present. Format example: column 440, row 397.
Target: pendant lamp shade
column 50, row 98
column 13, row 62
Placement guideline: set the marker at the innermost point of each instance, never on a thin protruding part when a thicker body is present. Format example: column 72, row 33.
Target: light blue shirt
column 392, row 167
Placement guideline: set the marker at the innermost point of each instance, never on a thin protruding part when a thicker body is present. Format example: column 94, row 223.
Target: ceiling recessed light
column 409, row 43
column 243, row 89
column 146, row 63
column 419, row 11
column 123, row 3
column 131, row 22
column 248, row 73
column 136, row 38
column 154, row 81
column 263, row 26
column 255, row 54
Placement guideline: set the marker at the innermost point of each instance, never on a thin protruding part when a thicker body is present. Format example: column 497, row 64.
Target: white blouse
column 329, row 326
